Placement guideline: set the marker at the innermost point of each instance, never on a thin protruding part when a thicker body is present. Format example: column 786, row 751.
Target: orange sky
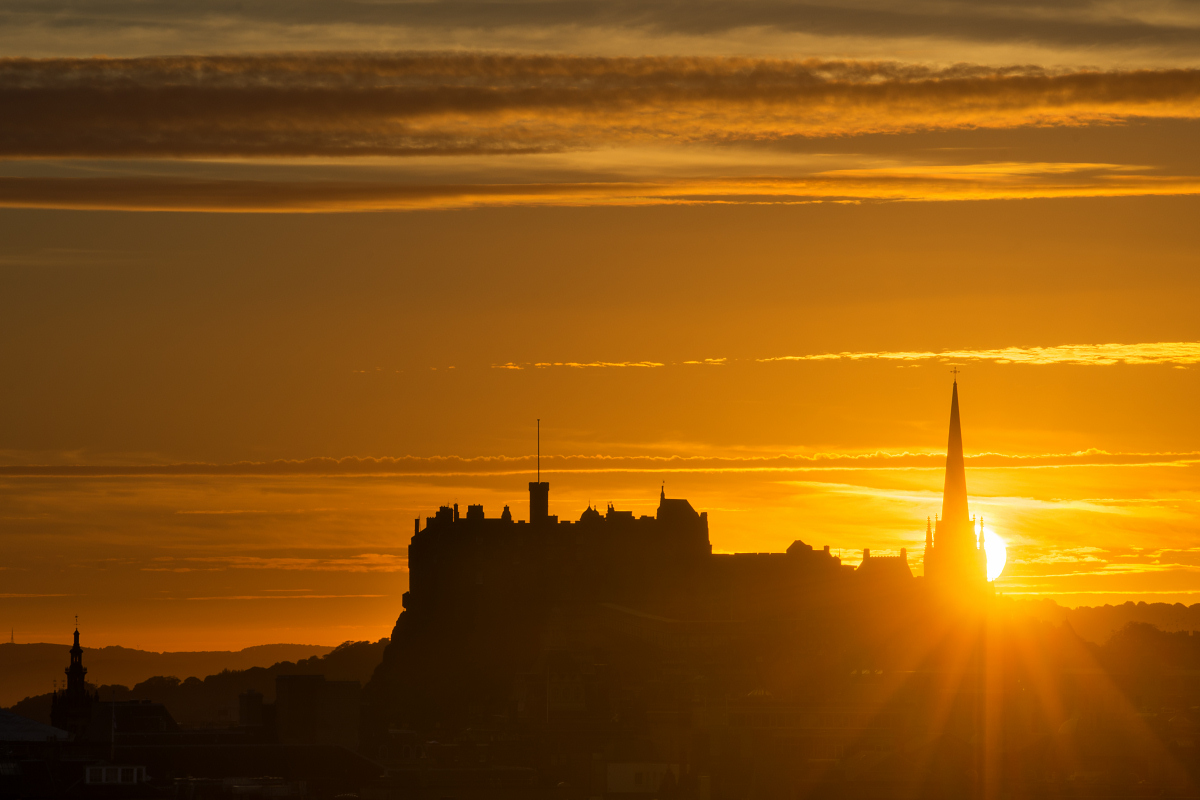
column 737, row 251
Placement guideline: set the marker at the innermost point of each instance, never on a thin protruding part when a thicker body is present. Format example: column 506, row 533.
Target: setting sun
column 997, row 554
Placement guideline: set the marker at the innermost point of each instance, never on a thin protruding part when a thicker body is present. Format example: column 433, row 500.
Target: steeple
column 76, row 671
column 71, row 709
column 954, row 495
column 954, row 553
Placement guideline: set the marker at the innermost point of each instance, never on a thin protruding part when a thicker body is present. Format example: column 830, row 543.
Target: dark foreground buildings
column 303, row 744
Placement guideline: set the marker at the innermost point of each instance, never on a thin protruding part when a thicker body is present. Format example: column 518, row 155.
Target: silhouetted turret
column 71, row 709
column 539, row 501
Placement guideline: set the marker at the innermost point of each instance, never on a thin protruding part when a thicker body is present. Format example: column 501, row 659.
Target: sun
column 997, row 554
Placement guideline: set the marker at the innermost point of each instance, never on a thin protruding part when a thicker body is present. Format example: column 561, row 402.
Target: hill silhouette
column 29, row 669
column 213, row 700
column 1098, row 623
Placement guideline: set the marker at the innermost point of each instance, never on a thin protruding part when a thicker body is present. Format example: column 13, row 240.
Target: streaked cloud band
column 1181, row 353
column 1022, row 181
column 510, row 465
column 287, row 105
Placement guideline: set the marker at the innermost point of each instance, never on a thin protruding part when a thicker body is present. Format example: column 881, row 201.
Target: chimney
column 866, row 553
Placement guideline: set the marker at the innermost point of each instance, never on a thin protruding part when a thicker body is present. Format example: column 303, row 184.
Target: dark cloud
column 1063, row 22
column 446, row 104
column 979, row 182
column 240, row 195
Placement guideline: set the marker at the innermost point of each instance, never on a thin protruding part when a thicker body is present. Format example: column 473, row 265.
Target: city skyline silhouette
column 619, row 654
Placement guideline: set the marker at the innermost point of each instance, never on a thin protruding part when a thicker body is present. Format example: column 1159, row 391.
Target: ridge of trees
column 213, row 700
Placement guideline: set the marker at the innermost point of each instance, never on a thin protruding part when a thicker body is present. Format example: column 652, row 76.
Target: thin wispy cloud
column 1181, row 353
column 366, row 562
column 579, row 364
column 1143, row 353
column 450, row 466
column 286, row 597
column 1023, row 182
column 711, row 362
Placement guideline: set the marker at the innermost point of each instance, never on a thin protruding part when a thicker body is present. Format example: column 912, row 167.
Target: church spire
column 76, row 671
column 954, row 495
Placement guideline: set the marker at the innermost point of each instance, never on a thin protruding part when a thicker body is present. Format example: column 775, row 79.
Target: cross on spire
column 955, row 372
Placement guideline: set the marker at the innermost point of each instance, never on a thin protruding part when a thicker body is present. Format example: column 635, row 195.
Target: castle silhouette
column 616, row 648
column 458, row 564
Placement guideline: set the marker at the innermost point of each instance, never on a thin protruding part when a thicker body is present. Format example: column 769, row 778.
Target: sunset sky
column 277, row 278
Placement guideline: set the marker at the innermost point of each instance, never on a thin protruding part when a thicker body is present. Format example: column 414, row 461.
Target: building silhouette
column 617, row 656
column 463, row 567
column 954, row 554
column 71, row 708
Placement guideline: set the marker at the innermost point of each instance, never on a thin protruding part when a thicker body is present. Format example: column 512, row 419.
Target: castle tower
column 954, row 554
column 539, row 502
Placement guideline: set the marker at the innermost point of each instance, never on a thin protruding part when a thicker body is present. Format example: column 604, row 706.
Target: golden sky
column 277, row 278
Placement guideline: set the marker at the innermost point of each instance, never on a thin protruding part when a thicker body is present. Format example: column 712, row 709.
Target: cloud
column 284, row 105
column 230, row 24
column 1123, row 592
column 580, row 364
column 173, row 194
column 1172, row 353
column 285, row 597
column 1184, row 353
column 1067, row 555
column 450, row 466
column 548, row 130
column 365, row 562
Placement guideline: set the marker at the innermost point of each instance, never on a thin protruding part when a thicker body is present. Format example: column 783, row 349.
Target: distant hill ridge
column 1098, row 623
column 31, row 669
column 213, row 701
